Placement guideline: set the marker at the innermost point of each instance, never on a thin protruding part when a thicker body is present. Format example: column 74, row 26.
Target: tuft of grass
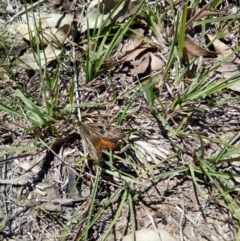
column 103, row 41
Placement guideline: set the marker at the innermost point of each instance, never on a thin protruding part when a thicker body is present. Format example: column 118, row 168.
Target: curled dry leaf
column 156, row 63
column 223, row 49
column 136, row 52
column 48, row 34
column 134, row 48
column 134, row 43
column 228, row 70
column 140, row 66
column 99, row 11
column 194, row 50
column 192, row 12
column 28, row 61
column 129, row 8
column 52, row 20
column 55, row 20
column 58, row 36
column 25, row 30
column 148, row 60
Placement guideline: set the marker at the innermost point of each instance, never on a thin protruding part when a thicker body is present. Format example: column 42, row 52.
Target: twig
column 204, row 233
column 174, row 221
column 198, row 13
column 151, row 219
column 76, row 84
column 181, row 221
column 16, row 182
column 25, row 10
column 64, row 201
column 77, row 99
column 4, row 171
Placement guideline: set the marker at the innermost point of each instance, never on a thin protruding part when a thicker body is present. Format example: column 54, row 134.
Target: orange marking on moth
column 104, row 144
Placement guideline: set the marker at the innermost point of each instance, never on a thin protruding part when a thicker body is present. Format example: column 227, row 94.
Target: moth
column 99, row 136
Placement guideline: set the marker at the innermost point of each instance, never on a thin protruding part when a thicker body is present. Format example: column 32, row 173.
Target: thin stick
column 198, row 13
column 25, row 10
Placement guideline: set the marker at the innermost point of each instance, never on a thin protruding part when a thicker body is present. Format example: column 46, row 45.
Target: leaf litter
column 48, row 193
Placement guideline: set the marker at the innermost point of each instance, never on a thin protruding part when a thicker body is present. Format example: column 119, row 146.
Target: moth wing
column 108, row 132
column 90, row 145
column 99, row 136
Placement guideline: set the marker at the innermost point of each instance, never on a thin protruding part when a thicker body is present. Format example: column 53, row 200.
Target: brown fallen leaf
column 47, row 35
column 148, row 60
column 228, row 70
column 60, row 35
column 140, row 66
column 55, row 20
column 28, row 61
column 96, row 15
column 223, row 49
column 98, row 12
column 194, row 50
column 134, row 43
column 25, row 30
column 129, row 8
column 136, row 52
column 197, row 14
column 156, row 63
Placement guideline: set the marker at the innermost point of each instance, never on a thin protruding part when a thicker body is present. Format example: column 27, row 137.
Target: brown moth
column 99, row 136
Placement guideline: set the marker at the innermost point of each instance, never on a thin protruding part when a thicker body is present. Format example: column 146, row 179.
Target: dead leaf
column 51, row 192
column 24, row 30
column 235, row 87
column 28, row 61
column 194, row 50
column 55, row 20
column 156, row 63
column 200, row 14
column 223, row 49
column 129, row 8
column 136, row 52
column 58, row 35
column 48, row 35
column 132, row 45
column 51, row 207
column 140, row 66
column 228, row 70
column 98, row 12
column 105, row 5
column 148, row 60
column 135, row 42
